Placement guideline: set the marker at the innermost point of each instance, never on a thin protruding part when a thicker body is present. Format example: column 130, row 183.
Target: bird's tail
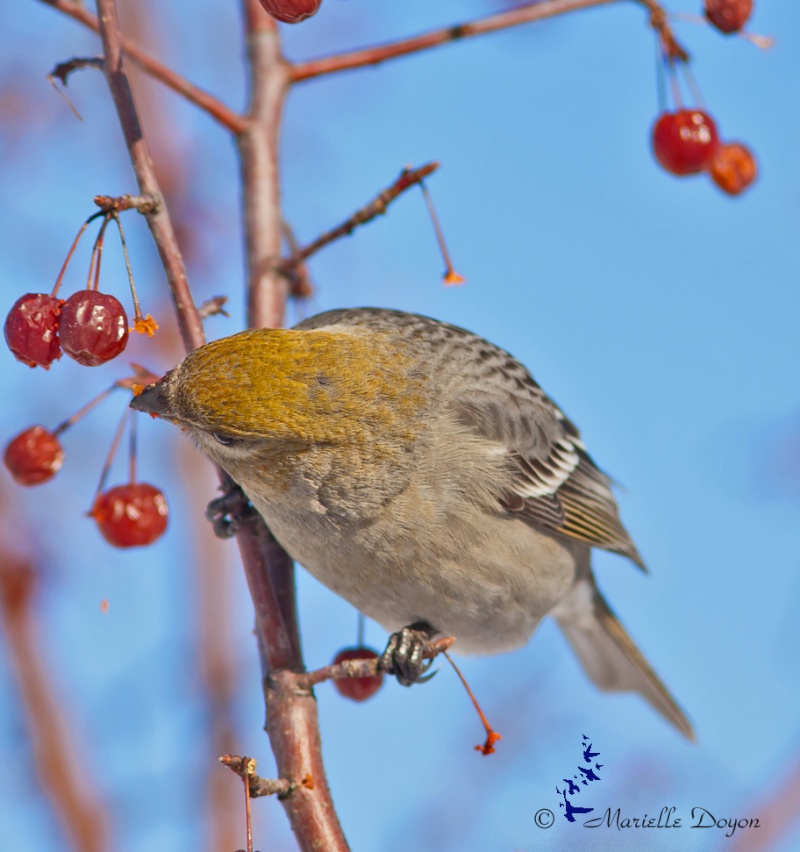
column 608, row 654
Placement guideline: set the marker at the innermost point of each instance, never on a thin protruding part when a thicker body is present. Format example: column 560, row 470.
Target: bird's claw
column 229, row 513
column 403, row 656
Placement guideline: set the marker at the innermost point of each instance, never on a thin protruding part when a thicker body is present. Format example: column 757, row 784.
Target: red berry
column 31, row 329
column 131, row 515
column 733, row 168
column 94, row 327
column 34, row 456
column 291, row 11
column 357, row 688
column 728, row 16
column 684, row 141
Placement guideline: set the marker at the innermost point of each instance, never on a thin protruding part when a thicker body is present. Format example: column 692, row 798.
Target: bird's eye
column 223, row 439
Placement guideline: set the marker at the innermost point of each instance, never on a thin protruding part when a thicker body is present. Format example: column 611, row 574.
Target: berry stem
column 71, row 251
column 247, row 816
column 450, row 275
column 111, row 453
column 360, row 642
column 674, row 84
column 137, row 313
column 132, row 450
column 491, row 735
column 65, row 424
column 93, row 281
column 694, row 88
column 661, row 83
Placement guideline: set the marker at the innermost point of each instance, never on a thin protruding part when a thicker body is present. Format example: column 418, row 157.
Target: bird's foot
column 229, row 513
column 403, row 656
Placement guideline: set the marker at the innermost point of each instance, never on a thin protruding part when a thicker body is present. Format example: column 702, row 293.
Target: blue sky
column 661, row 315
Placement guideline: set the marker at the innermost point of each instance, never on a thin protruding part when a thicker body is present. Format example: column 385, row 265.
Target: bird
column 421, row 473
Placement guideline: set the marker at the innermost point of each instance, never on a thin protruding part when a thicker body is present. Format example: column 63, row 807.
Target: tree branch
column 366, row 667
column 158, row 219
column 221, row 113
column 258, row 149
column 524, row 14
column 292, row 723
column 527, row 13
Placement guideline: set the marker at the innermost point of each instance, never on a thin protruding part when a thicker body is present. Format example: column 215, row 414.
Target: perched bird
column 421, row 473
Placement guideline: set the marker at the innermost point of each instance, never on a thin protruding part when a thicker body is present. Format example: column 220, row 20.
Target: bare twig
column 245, row 768
column 300, row 286
column 525, row 13
column 213, row 306
column 158, row 218
column 116, row 204
column 64, row 69
column 365, row 667
column 258, row 149
column 221, row 113
column 376, row 207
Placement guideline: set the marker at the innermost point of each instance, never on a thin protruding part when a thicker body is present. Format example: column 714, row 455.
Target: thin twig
column 213, row 306
column 299, row 277
column 245, row 768
column 117, row 203
column 364, row 667
column 158, row 219
column 64, row 69
column 526, row 13
column 376, row 207
column 221, row 113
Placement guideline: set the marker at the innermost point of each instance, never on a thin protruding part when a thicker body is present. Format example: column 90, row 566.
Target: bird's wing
column 556, row 484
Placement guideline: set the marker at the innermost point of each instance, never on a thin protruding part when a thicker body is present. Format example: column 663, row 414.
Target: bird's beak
column 153, row 399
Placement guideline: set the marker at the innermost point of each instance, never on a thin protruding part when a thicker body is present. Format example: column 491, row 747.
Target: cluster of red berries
column 128, row 515
column 90, row 326
column 728, row 16
column 291, row 11
column 686, row 142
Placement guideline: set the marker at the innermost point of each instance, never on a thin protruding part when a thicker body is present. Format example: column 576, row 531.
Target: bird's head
column 305, row 387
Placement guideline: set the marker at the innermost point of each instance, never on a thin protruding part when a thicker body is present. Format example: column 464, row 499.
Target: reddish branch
column 158, row 219
column 258, row 150
column 245, row 768
column 208, row 103
column 366, row 667
column 524, row 14
column 58, row 766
